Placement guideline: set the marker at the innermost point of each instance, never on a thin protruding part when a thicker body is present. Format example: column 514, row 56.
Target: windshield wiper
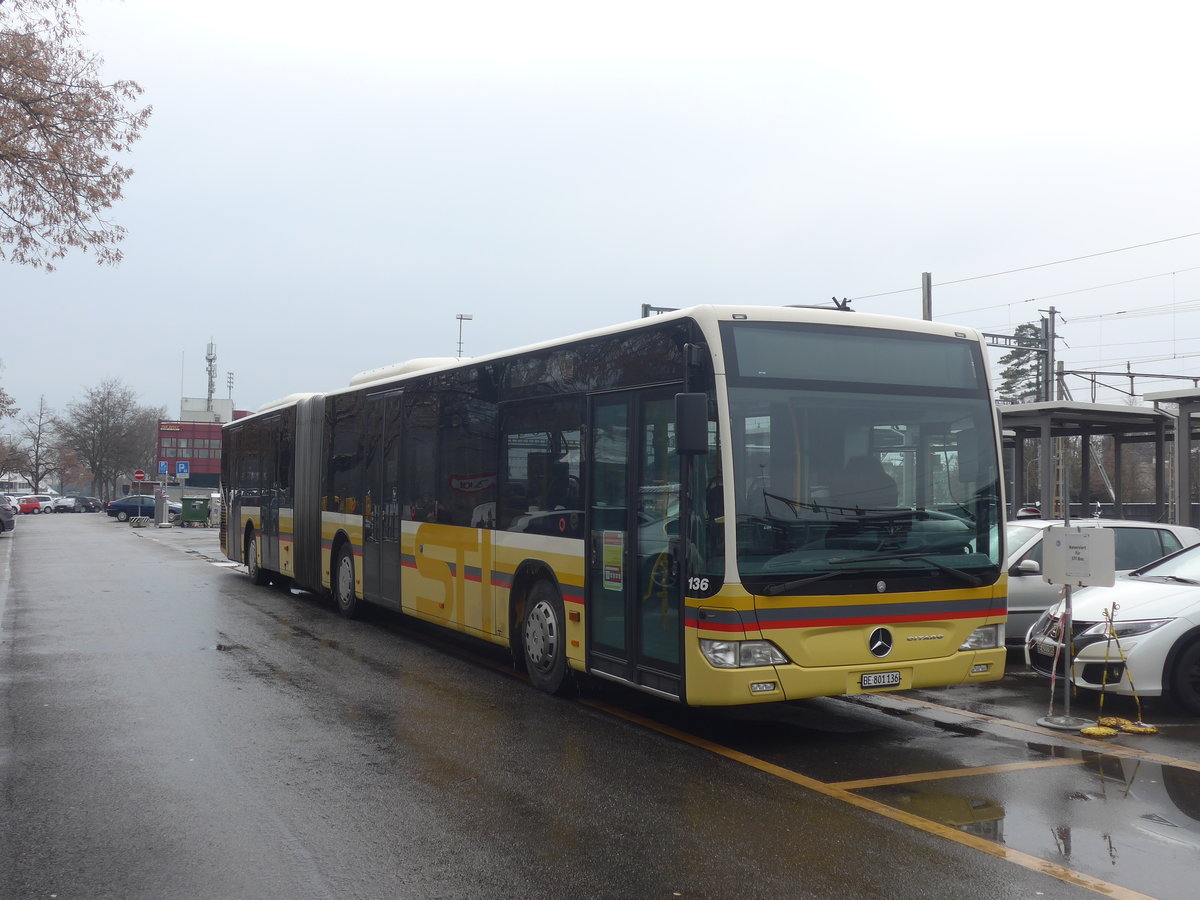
column 865, row 564
column 774, row 590
column 1180, row 579
column 973, row 580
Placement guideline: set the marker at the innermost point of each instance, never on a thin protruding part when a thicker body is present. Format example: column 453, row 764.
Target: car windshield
column 861, row 453
column 1018, row 535
column 1182, row 566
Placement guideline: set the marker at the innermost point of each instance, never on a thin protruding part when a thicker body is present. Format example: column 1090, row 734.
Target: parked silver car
column 1136, row 543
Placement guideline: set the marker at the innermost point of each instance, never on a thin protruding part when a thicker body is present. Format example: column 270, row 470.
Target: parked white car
column 1136, row 544
column 1153, row 645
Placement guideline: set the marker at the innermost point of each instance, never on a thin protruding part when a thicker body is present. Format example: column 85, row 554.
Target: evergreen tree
column 1021, row 368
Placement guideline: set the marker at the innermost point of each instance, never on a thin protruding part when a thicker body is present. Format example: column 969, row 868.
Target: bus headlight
column 989, row 637
column 741, row 654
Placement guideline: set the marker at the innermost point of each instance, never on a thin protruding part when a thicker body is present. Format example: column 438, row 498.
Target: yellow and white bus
column 719, row 505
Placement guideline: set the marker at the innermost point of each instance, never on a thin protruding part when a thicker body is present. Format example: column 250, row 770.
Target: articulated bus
column 719, row 505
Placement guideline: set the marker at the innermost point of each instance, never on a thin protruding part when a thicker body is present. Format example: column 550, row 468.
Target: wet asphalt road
column 168, row 730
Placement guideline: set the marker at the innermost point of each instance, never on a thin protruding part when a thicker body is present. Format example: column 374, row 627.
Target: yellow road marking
column 953, row 773
column 1025, row 860
column 843, row 790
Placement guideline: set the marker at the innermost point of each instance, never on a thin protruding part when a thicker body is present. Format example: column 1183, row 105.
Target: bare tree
column 8, row 406
column 10, row 455
column 59, row 124
column 36, row 441
column 110, row 433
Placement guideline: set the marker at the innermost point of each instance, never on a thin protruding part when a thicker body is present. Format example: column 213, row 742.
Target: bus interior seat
column 864, row 483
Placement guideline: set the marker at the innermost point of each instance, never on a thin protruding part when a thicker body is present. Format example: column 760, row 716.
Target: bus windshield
column 860, row 453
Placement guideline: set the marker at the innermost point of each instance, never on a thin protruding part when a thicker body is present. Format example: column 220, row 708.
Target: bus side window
column 540, row 464
column 419, row 469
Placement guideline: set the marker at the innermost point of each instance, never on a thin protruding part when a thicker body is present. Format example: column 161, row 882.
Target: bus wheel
column 544, row 639
column 258, row 575
column 343, row 583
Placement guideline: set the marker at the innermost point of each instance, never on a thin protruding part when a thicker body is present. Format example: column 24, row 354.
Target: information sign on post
column 1079, row 556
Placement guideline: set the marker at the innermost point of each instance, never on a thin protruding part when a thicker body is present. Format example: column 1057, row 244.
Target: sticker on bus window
column 614, row 560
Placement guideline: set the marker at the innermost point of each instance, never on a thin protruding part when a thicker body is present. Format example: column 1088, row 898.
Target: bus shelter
column 1028, row 425
column 1186, row 424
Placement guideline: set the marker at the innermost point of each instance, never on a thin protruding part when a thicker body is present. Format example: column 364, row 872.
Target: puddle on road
column 1127, row 821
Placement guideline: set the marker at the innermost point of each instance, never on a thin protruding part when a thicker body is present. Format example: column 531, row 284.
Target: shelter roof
column 1070, row 417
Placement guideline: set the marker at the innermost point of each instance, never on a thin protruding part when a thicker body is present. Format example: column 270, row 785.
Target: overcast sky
column 322, row 188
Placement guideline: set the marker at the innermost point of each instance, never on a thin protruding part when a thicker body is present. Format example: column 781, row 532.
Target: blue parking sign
column 162, row 467
column 182, row 468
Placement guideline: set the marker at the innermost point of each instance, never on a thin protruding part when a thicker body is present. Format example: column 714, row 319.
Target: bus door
column 268, row 493
column 381, row 503
column 633, row 601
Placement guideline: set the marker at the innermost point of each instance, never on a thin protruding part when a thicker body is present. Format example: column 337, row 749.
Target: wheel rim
column 541, row 635
column 345, row 580
column 252, row 557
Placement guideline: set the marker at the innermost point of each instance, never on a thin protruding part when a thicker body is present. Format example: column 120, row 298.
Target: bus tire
column 258, row 575
column 343, row 583
column 544, row 639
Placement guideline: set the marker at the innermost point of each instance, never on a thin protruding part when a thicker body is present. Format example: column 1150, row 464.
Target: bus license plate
column 880, row 679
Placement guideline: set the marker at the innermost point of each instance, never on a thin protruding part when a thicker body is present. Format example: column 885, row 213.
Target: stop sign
column 139, row 475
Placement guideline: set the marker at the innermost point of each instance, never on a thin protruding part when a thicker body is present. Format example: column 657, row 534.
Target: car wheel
column 122, row 516
column 1185, row 679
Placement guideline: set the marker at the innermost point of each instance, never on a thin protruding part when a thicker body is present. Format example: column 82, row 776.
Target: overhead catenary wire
column 1057, row 262
column 1095, row 287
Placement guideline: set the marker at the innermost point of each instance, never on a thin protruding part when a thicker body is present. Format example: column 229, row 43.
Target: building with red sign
column 189, row 449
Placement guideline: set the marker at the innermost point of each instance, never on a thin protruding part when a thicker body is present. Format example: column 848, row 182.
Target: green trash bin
column 195, row 511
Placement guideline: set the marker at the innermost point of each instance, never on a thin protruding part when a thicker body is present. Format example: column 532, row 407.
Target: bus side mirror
column 691, row 424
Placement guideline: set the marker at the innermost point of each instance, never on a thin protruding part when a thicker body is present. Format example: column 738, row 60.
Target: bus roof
column 706, row 316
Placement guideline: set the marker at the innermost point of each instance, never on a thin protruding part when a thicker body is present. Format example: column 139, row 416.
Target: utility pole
column 462, row 317
column 1048, row 376
column 927, row 296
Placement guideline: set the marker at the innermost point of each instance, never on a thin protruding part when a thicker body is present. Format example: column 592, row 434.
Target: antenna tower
column 211, row 356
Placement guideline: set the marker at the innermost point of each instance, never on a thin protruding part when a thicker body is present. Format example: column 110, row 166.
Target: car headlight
column 1125, row 629
column 741, row 654
column 989, row 637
